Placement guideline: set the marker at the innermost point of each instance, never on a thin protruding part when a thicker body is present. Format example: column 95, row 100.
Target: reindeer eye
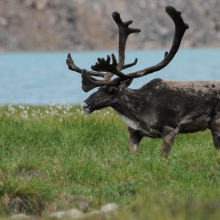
column 111, row 91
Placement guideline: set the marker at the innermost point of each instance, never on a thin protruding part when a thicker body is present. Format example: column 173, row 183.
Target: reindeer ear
column 125, row 84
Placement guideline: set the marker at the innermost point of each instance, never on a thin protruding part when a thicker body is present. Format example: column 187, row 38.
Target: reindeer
column 160, row 108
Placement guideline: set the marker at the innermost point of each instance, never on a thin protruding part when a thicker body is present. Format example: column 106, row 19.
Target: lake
column 41, row 78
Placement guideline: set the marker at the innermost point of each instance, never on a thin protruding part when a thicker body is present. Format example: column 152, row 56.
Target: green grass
column 49, row 153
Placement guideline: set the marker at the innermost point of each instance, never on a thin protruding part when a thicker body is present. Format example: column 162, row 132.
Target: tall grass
column 49, row 152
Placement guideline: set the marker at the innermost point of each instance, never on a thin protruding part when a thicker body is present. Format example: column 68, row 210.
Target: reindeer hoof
column 133, row 149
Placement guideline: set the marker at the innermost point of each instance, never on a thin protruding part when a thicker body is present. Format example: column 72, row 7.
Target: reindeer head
column 110, row 90
column 106, row 96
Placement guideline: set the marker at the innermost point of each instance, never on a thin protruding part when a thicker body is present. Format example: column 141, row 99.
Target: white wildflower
column 11, row 109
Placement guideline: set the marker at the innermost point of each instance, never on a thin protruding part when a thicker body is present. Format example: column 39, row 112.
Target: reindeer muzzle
column 87, row 107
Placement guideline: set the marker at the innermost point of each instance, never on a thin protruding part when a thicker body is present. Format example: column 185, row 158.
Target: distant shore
column 50, row 25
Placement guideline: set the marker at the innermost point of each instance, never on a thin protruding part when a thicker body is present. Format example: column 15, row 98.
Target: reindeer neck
column 127, row 105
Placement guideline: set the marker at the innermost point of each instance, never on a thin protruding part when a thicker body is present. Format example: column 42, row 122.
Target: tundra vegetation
column 50, row 153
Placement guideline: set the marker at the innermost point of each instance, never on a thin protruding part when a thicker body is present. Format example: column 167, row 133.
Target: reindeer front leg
column 134, row 139
column 168, row 136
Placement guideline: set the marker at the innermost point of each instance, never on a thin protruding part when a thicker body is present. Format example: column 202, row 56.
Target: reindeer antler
column 124, row 31
column 104, row 65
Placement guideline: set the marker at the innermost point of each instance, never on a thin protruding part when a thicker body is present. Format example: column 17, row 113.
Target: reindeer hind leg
column 169, row 135
column 215, row 129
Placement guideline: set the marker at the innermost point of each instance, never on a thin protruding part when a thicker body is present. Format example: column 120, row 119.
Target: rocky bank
column 42, row 25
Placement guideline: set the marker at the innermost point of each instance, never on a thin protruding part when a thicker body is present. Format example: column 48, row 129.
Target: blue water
column 43, row 77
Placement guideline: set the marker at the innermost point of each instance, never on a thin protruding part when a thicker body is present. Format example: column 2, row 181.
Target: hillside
column 42, row 25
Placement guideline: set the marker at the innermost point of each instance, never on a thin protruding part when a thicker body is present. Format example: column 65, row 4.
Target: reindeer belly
column 152, row 133
column 193, row 125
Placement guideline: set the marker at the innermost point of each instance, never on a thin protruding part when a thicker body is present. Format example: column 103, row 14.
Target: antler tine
column 72, row 66
column 104, row 65
column 180, row 28
column 124, row 32
column 130, row 64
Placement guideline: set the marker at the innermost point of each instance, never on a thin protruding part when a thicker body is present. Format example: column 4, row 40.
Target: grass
column 50, row 153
